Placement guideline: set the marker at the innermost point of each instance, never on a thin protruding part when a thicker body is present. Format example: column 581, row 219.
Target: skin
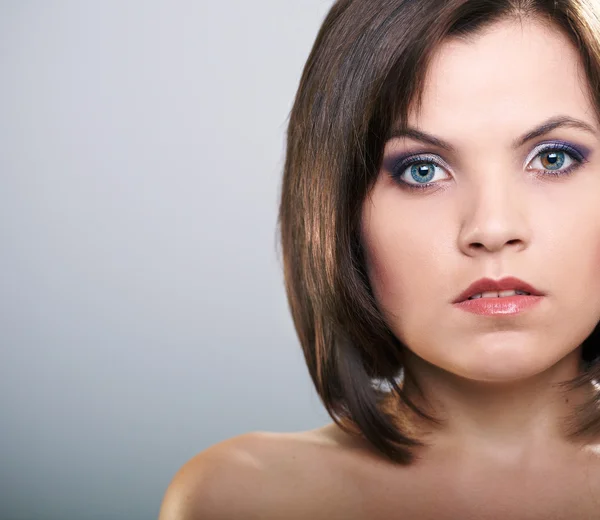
column 493, row 214
column 500, row 452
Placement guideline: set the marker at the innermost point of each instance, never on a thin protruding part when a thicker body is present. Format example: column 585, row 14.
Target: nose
column 493, row 217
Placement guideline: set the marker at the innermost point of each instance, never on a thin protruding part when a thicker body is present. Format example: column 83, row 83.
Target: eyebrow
column 544, row 128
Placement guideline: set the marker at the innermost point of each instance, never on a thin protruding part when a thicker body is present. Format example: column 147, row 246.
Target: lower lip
column 503, row 306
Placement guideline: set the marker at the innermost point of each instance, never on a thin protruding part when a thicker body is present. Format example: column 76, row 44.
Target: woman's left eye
column 556, row 159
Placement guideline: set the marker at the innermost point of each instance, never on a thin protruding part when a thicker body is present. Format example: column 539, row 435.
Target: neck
column 521, row 415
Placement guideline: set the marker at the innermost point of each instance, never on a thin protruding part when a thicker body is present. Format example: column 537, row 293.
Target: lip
column 506, row 306
column 504, row 284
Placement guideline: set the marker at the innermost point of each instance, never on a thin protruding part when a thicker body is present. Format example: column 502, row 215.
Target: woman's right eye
column 417, row 172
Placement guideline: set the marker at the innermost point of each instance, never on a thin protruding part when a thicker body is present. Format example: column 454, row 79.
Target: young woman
column 440, row 228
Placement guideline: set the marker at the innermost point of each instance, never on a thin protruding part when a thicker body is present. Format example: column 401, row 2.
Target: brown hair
column 365, row 70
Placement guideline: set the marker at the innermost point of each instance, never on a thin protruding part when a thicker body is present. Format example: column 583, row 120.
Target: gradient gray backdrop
column 142, row 310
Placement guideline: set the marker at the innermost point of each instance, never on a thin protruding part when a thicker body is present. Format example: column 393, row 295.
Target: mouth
column 500, row 294
column 503, row 288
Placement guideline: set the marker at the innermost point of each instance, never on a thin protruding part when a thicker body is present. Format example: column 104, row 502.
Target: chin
column 505, row 367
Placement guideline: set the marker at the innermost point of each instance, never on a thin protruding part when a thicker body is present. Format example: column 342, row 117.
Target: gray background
column 142, row 310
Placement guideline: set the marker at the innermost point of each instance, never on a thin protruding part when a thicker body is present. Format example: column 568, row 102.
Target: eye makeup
column 578, row 155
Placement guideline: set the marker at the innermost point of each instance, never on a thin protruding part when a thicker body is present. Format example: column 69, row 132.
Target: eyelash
column 403, row 163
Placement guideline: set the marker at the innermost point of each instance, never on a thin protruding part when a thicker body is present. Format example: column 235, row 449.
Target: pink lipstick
column 475, row 300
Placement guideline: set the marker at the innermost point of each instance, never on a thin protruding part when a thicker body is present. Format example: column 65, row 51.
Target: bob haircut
column 365, row 70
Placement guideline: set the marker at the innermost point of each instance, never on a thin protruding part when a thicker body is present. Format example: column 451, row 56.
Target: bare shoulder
column 261, row 475
column 215, row 482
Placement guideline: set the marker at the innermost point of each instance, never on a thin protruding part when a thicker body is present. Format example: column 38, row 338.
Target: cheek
column 584, row 252
column 385, row 276
column 406, row 257
column 403, row 271
column 597, row 256
column 566, row 261
column 402, row 283
column 595, row 267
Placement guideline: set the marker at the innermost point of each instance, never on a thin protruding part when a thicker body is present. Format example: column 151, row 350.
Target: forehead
column 514, row 74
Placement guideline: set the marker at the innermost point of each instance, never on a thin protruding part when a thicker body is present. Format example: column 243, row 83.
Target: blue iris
column 422, row 172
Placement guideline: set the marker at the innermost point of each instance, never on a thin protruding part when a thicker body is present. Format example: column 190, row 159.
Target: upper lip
column 504, row 284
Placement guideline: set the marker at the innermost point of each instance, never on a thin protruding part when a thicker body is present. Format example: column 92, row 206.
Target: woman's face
column 495, row 208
